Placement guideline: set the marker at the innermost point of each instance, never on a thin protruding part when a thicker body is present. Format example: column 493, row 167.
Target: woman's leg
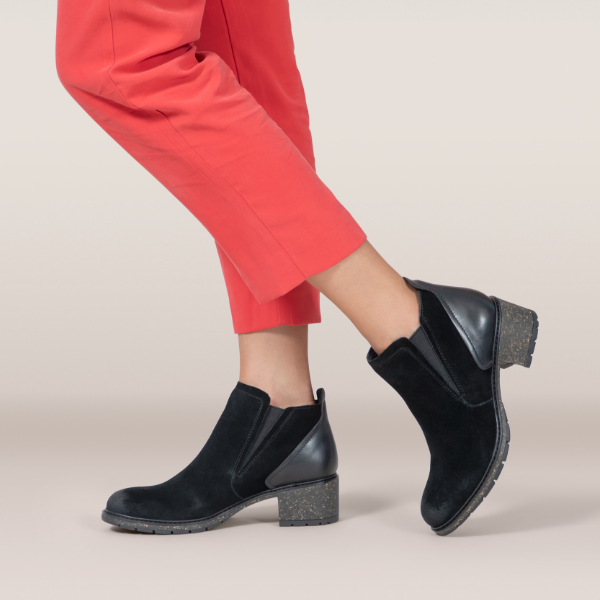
column 276, row 361
column 255, row 41
column 372, row 295
column 132, row 65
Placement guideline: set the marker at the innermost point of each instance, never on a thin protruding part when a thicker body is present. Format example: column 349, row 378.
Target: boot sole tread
column 316, row 499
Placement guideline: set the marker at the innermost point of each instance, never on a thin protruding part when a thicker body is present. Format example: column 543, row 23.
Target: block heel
column 518, row 332
column 312, row 504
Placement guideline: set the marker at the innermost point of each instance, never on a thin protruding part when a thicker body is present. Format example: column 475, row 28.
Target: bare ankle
column 283, row 394
column 291, row 397
column 382, row 306
column 276, row 361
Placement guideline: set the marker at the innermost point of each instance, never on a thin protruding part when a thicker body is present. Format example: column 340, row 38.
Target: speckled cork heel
column 514, row 343
column 314, row 503
column 518, row 333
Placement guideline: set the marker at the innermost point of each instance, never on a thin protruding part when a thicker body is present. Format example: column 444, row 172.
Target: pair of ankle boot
column 447, row 373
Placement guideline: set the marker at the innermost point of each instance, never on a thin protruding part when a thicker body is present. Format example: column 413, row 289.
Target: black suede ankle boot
column 448, row 374
column 255, row 452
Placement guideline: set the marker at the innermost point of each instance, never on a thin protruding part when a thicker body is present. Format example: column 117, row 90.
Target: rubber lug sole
column 307, row 504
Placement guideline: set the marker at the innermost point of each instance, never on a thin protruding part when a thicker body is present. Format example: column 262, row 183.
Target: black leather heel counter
column 472, row 313
column 314, row 458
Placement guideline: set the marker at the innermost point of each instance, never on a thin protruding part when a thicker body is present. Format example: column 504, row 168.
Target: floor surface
column 535, row 536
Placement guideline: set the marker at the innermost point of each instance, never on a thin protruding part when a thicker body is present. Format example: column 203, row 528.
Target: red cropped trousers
column 206, row 95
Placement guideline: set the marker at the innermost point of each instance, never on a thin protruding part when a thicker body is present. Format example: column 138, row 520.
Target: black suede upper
column 214, row 480
column 460, row 430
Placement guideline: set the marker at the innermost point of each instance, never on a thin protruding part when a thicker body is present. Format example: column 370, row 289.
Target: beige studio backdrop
column 464, row 136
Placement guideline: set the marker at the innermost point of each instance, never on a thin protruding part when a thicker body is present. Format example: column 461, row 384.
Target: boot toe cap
column 444, row 501
column 130, row 502
column 154, row 503
column 119, row 503
column 436, row 515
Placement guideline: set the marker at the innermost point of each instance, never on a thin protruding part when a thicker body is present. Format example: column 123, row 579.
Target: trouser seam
column 237, row 71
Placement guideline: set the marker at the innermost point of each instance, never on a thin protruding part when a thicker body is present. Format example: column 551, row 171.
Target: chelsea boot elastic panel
column 448, row 373
column 255, row 452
